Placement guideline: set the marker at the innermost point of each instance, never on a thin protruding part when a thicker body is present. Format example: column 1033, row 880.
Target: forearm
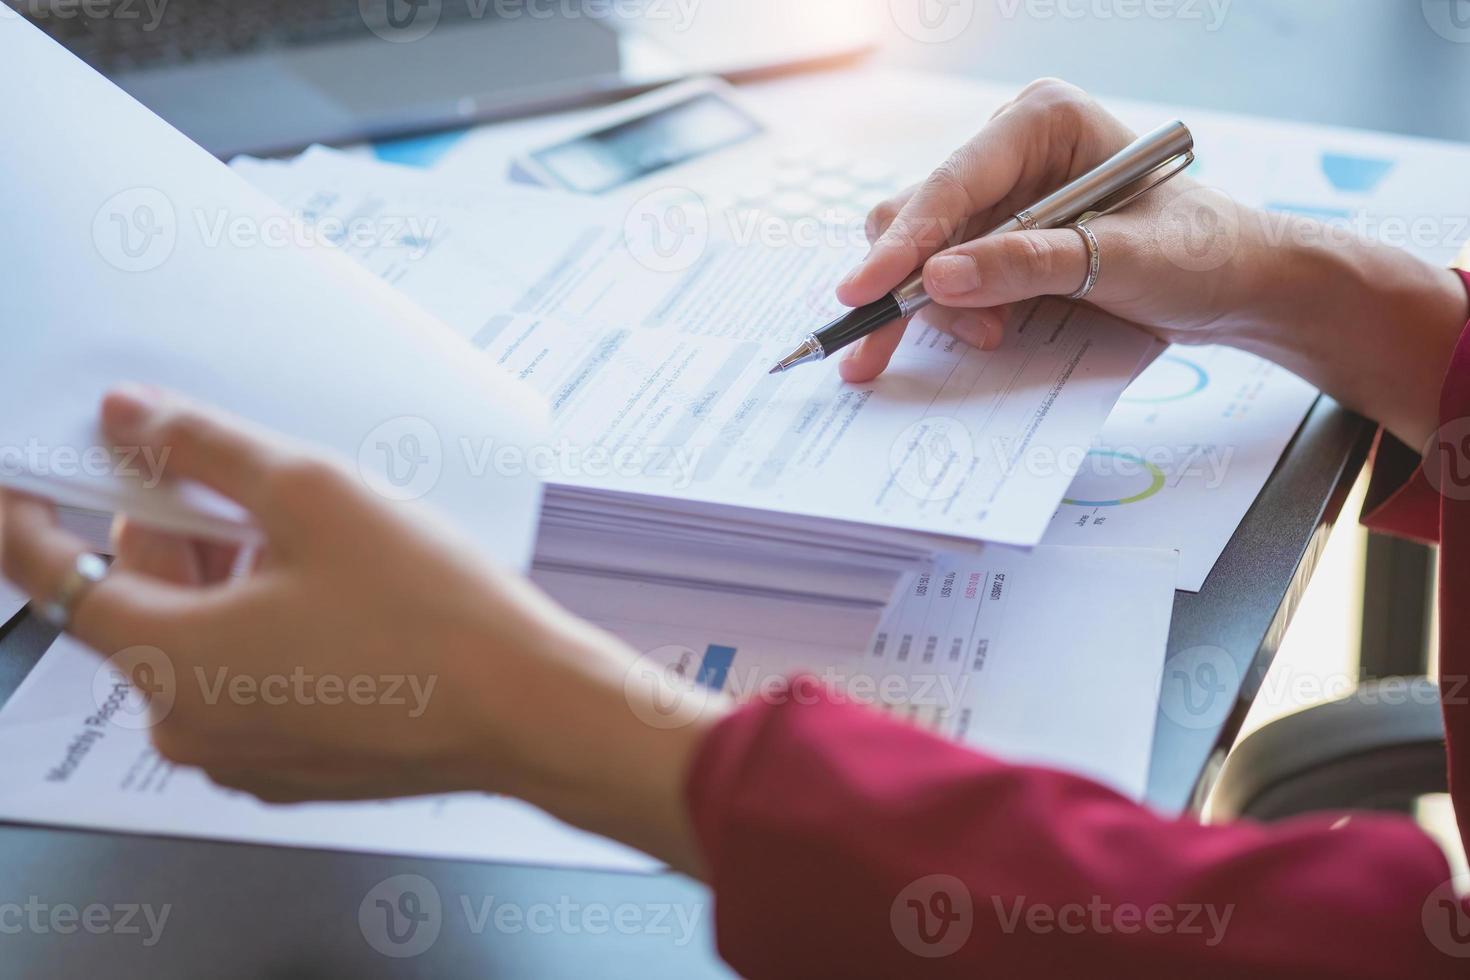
column 616, row 759
column 1371, row 325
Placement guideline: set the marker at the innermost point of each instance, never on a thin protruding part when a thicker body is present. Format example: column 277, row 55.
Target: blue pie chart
column 1169, row 379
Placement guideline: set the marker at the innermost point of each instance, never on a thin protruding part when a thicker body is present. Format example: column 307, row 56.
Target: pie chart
column 1113, row 479
column 1168, row 379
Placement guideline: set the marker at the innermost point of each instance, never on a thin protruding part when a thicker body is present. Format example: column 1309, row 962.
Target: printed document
column 1183, row 456
column 650, row 329
column 976, row 649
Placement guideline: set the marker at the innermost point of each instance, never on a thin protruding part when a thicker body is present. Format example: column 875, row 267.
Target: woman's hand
column 1372, row 325
column 366, row 653
column 1050, row 134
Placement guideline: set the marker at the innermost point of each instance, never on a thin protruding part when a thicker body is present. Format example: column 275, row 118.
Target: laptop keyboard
column 122, row 35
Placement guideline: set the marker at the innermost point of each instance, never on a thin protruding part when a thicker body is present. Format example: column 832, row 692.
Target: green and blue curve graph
column 1155, row 476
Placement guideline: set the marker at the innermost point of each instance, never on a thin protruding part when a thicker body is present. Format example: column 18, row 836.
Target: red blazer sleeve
column 1428, row 498
column 842, row 844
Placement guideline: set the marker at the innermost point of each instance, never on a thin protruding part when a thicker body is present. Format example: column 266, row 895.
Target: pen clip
column 1181, row 163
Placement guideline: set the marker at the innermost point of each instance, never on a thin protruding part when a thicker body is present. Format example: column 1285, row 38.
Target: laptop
column 268, row 76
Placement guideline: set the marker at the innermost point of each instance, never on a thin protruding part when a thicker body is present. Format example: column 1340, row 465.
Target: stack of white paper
column 674, row 451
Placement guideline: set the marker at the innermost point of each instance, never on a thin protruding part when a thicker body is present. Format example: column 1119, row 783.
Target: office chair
column 1379, row 748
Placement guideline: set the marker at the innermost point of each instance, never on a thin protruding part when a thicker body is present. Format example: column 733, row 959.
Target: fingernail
column 130, row 405
column 954, row 275
column 971, row 332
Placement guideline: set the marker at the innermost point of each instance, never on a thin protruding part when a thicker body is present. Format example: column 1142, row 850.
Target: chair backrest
column 1378, row 748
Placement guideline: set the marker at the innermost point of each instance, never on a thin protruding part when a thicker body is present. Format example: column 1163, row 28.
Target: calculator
column 700, row 134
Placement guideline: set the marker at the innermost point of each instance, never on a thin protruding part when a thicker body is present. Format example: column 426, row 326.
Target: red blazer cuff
column 1403, row 499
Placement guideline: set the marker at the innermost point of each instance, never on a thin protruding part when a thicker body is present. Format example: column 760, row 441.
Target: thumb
column 1009, row 268
column 123, row 609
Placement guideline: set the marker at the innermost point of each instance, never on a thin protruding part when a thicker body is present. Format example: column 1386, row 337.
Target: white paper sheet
column 144, row 259
column 972, row 649
column 70, row 764
column 1058, row 654
column 1406, row 192
column 1031, row 686
column 670, row 361
column 1183, row 456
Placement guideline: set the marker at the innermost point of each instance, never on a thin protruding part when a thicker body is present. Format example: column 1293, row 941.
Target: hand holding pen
column 1046, row 139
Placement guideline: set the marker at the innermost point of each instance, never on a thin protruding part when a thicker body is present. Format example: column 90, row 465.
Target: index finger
column 199, row 443
column 976, row 177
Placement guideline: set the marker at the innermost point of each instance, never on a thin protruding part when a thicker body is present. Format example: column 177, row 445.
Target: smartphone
column 642, row 136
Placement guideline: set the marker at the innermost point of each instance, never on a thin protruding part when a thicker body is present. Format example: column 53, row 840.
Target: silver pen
column 1102, row 190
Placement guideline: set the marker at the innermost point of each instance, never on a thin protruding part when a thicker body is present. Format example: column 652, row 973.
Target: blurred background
column 1362, row 63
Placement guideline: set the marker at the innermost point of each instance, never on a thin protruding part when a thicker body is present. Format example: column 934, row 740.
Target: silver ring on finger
column 1094, row 259
column 83, row 576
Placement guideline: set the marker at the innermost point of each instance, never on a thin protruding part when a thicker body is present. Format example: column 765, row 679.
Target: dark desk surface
column 238, row 910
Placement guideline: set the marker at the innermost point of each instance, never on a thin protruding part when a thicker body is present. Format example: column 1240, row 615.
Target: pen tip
column 775, row 370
